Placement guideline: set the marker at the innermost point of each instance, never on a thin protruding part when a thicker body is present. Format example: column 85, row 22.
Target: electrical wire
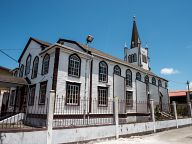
column 20, row 63
column 176, row 82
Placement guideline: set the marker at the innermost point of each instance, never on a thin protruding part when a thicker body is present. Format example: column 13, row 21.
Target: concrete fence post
column 175, row 112
column 153, row 114
column 116, row 117
column 189, row 109
column 50, row 114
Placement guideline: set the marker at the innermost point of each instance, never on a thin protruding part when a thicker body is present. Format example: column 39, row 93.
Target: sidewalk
column 176, row 136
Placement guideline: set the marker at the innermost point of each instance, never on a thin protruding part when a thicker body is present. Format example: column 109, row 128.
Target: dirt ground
column 175, row 136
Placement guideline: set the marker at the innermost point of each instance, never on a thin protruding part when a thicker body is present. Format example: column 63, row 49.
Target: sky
column 164, row 25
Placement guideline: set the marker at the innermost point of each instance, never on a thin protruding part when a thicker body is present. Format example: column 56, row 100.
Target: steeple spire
column 135, row 40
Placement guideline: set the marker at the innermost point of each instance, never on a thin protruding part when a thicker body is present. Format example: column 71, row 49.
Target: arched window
column 138, row 76
column 132, row 58
column 74, row 66
column 45, row 64
column 35, row 67
column 166, row 85
column 135, row 57
column 128, row 77
column 153, row 81
column 28, row 64
column 117, row 70
column 160, row 83
column 146, row 79
column 129, row 58
column 103, row 71
column 21, row 71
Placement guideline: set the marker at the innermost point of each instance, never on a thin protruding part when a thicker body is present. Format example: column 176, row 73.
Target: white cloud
column 169, row 71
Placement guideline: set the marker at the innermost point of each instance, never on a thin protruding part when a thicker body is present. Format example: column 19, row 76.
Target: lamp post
column 89, row 40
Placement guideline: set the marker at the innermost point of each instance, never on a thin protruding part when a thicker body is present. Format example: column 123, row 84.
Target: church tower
column 136, row 55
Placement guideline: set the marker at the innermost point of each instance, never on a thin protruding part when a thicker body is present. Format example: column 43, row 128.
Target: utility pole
column 188, row 96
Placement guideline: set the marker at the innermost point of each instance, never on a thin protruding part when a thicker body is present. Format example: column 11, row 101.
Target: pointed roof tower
column 135, row 40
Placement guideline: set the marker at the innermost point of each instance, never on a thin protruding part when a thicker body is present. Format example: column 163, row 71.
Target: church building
column 78, row 72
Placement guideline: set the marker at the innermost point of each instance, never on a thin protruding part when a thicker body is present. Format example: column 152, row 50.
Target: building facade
column 78, row 73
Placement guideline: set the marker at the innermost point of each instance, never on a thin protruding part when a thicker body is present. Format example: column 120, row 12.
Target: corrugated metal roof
column 178, row 93
column 12, row 80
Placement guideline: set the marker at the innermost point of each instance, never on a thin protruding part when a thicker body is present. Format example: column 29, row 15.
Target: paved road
column 175, row 136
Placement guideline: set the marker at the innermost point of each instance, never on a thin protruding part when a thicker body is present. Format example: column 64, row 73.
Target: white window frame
column 102, row 96
column 129, row 98
column 73, row 93
column 103, row 72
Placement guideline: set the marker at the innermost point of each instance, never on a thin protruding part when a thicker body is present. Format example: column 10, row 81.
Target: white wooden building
column 78, row 72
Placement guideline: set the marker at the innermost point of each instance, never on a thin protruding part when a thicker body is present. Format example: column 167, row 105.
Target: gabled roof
column 101, row 54
column 42, row 43
column 61, row 41
column 120, row 61
column 4, row 68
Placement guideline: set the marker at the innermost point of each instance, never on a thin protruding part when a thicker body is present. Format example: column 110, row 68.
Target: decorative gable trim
column 42, row 43
column 62, row 42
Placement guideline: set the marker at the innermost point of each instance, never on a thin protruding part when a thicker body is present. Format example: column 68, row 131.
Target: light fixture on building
column 89, row 39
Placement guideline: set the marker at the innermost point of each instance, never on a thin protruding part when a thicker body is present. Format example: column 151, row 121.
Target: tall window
column 135, row 57
column 146, row 79
column 12, row 99
column 132, row 58
column 117, row 70
column 21, row 71
column 129, row 58
column 74, row 66
column 166, row 85
column 138, row 76
column 103, row 71
column 102, row 96
column 45, row 64
column 42, row 92
column 31, row 96
column 128, row 77
column 72, row 93
column 160, row 83
column 153, row 81
column 129, row 98
column 28, row 65
column 16, row 73
column 35, row 67
column 144, row 58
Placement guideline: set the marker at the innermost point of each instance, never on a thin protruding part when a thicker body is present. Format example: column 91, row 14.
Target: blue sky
column 165, row 26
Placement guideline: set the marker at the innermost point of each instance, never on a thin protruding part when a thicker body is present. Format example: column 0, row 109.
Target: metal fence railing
column 28, row 116
column 88, row 112
column 84, row 112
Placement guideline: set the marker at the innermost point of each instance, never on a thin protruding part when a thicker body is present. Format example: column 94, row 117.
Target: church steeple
column 136, row 55
column 135, row 40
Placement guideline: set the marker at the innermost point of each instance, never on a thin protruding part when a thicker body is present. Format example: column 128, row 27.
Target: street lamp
column 89, row 39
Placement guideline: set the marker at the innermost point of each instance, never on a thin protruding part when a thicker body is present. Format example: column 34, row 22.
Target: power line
column 15, row 49
column 19, row 63
column 10, row 49
column 8, row 56
column 184, row 83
